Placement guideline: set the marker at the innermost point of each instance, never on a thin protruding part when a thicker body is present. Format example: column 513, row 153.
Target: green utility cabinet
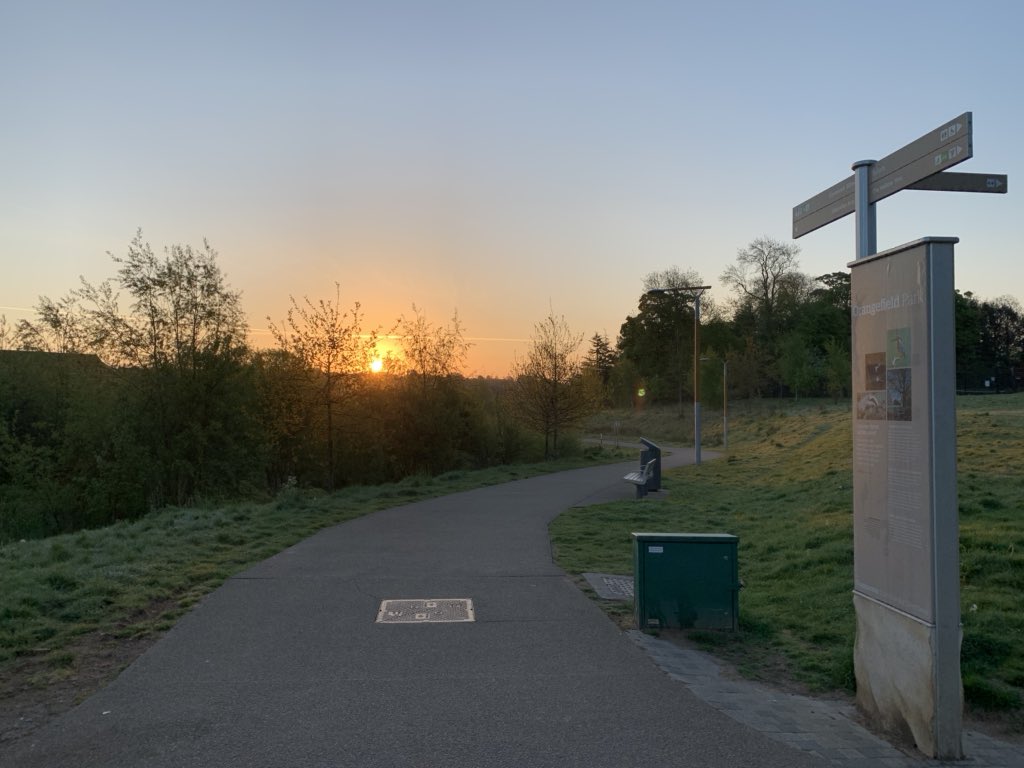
column 686, row 580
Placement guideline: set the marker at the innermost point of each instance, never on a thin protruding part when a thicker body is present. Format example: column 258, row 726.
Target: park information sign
column 906, row 573
column 906, row 556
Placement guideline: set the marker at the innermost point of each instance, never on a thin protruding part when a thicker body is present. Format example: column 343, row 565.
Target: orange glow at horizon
column 487, row 356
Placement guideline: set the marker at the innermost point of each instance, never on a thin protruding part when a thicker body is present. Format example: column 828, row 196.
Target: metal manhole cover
column 610, row 586
column 432, row 611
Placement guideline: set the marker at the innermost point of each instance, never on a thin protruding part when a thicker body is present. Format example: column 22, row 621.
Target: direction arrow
column 950, row 181
column 843, row 206
column 937, row 150
column 921, row 168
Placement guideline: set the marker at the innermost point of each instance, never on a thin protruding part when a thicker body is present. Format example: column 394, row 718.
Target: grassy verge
column 785, row 490
column 135, row 579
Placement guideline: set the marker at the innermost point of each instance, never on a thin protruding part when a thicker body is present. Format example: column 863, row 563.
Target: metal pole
column 696, row 290
column 725, row 405
column 696, row 379
column 866, row 224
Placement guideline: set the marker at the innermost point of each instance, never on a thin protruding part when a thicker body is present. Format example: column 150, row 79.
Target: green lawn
column 785, row 490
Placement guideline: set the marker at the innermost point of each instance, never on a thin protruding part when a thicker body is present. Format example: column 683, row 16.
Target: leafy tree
column 970, row 364
column 182, row 343
column 186, row 331
column 60, row 327
column 1002, row 339
column 624, row 383
column 837, row 367
column 8, row 335
column 68, row 458
column 334, row 354
column 658, row 340
column 799, row 365
column 550, row 391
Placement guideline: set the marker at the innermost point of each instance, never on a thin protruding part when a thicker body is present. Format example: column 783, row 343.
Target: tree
column 1002, row 339
column 185, row 336
column 673, row 278
column 334, row 353
column 180, row 350
column 431, row 353
column 8, row 335
column 970, row 365
column 768, row 291
column 764, row 271
column 659, row 338
column 550, row 391
column 837, row 368
column 432, row 417
column 600, row 360
column 799, row 365
column 59, row 327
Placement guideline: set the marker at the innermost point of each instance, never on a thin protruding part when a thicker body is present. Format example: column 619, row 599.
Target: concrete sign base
column 894, row 660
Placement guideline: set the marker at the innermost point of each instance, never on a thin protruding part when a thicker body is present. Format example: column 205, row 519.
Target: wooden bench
column 640, row 478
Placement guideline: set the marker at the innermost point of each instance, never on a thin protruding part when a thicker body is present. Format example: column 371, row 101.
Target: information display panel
column 904, row 452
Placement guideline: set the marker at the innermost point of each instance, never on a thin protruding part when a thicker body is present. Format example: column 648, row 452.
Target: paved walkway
column 825, row 728
column 285, row 665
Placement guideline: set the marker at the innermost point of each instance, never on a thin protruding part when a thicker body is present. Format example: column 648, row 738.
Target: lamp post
column 725, row 401
column 695, row 291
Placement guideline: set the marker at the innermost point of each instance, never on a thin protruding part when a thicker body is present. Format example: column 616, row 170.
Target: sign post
column 936, row 151
column 906, row 553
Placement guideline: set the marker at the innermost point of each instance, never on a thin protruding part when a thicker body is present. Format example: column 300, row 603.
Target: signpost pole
column 696, row 379
column 864, row 210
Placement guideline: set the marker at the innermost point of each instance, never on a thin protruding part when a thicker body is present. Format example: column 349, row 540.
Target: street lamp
column 725, row 401
column 695, row 291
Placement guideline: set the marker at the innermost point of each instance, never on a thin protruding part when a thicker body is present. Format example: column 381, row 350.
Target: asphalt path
column 285, row 665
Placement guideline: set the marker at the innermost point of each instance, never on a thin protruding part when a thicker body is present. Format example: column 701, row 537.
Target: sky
column 502, row 160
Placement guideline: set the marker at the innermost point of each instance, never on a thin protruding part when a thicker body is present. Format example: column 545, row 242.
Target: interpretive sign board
column 906, row 554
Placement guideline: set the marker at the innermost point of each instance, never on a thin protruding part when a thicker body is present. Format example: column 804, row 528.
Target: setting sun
column 377, row 365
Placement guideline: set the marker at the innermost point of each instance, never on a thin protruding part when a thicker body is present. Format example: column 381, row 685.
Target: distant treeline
column 781, row 334
column 108, row 412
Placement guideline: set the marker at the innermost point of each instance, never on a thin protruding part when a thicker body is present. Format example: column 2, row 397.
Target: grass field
column 785, row 490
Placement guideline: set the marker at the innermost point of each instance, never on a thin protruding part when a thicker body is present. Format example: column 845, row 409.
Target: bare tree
column 763, row 273
column 551, row 391
column 431, row 352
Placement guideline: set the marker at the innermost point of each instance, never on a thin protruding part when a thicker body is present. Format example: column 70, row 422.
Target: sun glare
column 377, row 365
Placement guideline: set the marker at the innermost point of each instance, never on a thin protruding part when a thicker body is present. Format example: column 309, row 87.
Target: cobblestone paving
column 823, row 727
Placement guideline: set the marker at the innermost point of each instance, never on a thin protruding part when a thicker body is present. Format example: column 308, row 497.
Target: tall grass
column 785, row 489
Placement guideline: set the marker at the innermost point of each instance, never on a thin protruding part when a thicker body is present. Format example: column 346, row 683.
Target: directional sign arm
column 949, row 181
column 936, row 151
